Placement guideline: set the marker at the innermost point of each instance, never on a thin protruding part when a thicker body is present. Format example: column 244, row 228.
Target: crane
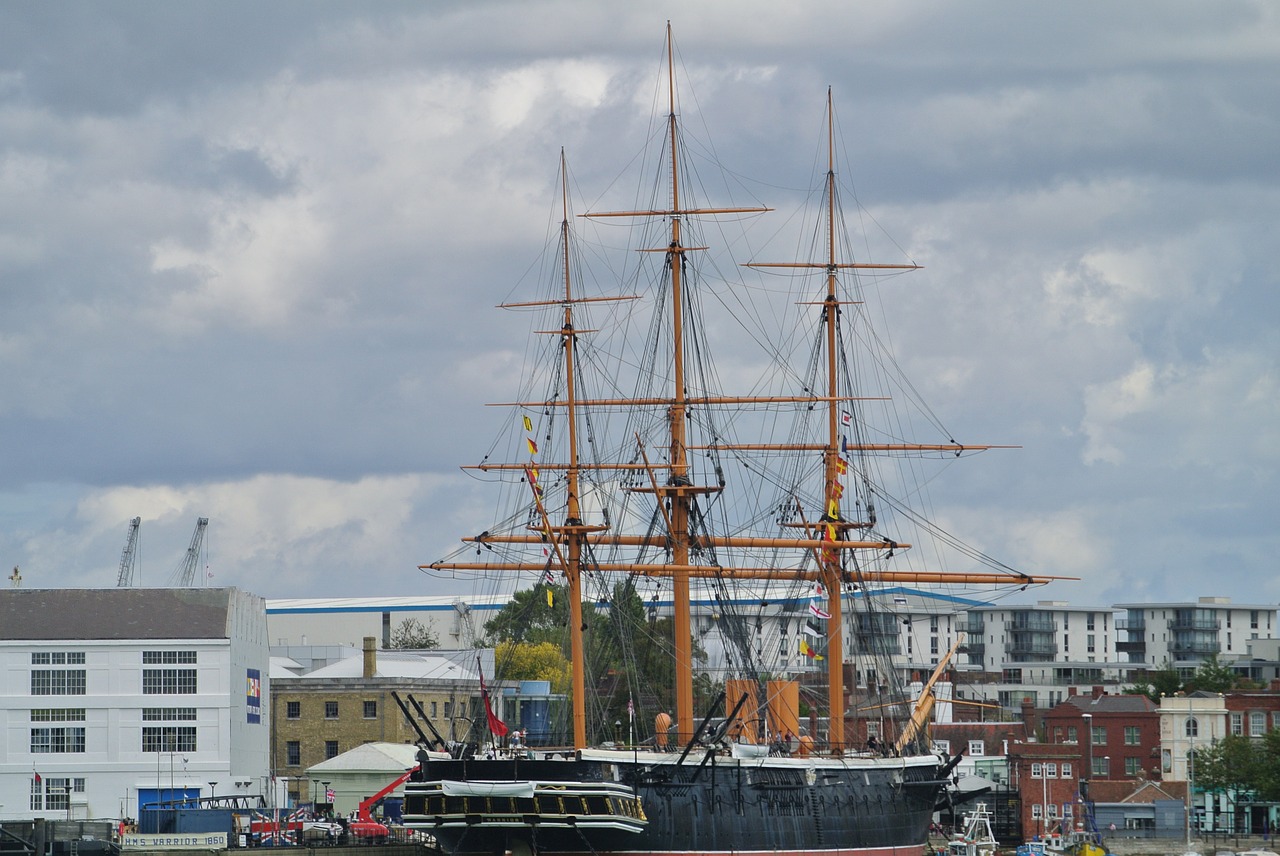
column 186, row 572
column 129, row 556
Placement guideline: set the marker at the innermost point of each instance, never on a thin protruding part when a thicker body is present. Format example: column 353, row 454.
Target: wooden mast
column 573, row 513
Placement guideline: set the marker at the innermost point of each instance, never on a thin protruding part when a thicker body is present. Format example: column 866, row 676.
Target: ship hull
column 651, row 804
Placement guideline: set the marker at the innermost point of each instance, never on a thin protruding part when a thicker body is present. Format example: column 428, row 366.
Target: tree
column 412, row 634
column 530, row 618
column 1213, row 676
column 1163, row 681
column 534, row 661
column 1234, row 766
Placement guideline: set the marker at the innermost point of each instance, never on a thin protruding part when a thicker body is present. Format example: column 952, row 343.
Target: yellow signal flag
column 842, row 466
column 528, row 424
column 533, row 447
column 833, row 509
column 551, row 600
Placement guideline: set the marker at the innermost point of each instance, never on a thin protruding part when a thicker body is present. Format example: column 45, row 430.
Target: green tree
column 529, row 617
column 412, row 634
column 1162, row 682
column 1213, row 676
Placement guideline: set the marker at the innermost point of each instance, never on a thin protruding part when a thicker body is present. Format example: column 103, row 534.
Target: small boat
column 977, row 838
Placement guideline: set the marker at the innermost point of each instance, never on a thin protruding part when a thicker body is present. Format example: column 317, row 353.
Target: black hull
column 781, row 806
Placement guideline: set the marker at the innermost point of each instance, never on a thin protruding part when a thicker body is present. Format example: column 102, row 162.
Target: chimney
column 1028, row 717
column 1071, row 691
column 1098, row 692
column 370, row 656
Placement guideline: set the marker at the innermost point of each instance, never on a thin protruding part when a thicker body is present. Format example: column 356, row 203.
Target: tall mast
column 676, row 418
column 573, row 513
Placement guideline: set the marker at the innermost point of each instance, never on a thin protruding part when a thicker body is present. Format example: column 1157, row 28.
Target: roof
column 115, row 613
column 370, row 758
column 398, row 664
column 1135, row 791
column 1107, row 704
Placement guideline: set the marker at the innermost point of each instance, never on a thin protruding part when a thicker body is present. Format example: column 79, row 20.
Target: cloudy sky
column 249, row 254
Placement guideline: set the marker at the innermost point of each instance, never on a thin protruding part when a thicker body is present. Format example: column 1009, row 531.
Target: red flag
column 37, row 775
column 497, row 726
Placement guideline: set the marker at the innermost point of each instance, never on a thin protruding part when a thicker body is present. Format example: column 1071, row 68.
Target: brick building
column 319, row 714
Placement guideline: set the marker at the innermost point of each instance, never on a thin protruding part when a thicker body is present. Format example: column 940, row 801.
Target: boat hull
column 620, row 803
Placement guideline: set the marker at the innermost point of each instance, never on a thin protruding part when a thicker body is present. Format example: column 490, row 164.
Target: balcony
column 1206, row 625
column 1131, row 625
column 1195, row 649
column 1035, row 622
column 1131, row 647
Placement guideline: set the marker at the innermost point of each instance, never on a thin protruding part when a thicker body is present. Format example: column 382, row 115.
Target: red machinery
column 364, row 826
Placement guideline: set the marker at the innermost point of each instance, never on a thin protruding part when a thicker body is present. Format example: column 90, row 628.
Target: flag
column 844, row 445
column 329, row 795
column 837, row 489
column 631, row 708
column 819, row 611
column 528, row 424
column 533, row 447
column 846, row 418
column 497, row 726
column 833, row 509
column 37, row 775
column 805, row 649
column 551, row 599
column 812, row 629
column 831, row 532
column 842, row 466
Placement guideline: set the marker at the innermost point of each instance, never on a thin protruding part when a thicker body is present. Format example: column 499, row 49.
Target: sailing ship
column 639, row 486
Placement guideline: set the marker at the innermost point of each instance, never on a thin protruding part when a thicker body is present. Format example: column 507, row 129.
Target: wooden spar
column 722, row 541
column 689, row 401
column 667, row 570
column 924, row 704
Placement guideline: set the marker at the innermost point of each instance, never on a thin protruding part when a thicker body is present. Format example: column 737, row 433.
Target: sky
column 249, row 255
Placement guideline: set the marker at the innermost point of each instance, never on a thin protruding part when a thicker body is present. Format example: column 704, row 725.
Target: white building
column 112, row 698
column 1187, row 723
column 1187, row 634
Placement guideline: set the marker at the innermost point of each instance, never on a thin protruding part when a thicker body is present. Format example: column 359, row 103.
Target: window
column 58, row 714
column 1089, row 643
column 331, row 710
column 168, row 714
column 1088, row 621
column 1037, row 771
column 330, row 749
column 57, row 681
column 57, row 740
column 977, row 747
column 293, row 754
column 1132, row 735
column 370, row 710
column 1191, row 727
column 1237, row 723
column 1037, row 811
column 1102, row 767
column 448, row 709
column 1098, row 734
column 57, row 658
column 943, row 746
column 293, row 710
column 168, row 738
column 1257, row 723
column 433, row 710
column 1066, row 770
column 53, row 794
column 1051, row 770
column 168, row 681
column 873, row 730
column 1067, row 809
column 1132, row 766
column 1053, row 811
column 1073, row 734
column 168, row 658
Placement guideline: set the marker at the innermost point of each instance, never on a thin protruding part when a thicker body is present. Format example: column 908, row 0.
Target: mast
column 573, row 514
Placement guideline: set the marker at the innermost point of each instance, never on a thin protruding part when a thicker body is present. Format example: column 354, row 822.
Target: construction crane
column 186, row 572
column 129, row 556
